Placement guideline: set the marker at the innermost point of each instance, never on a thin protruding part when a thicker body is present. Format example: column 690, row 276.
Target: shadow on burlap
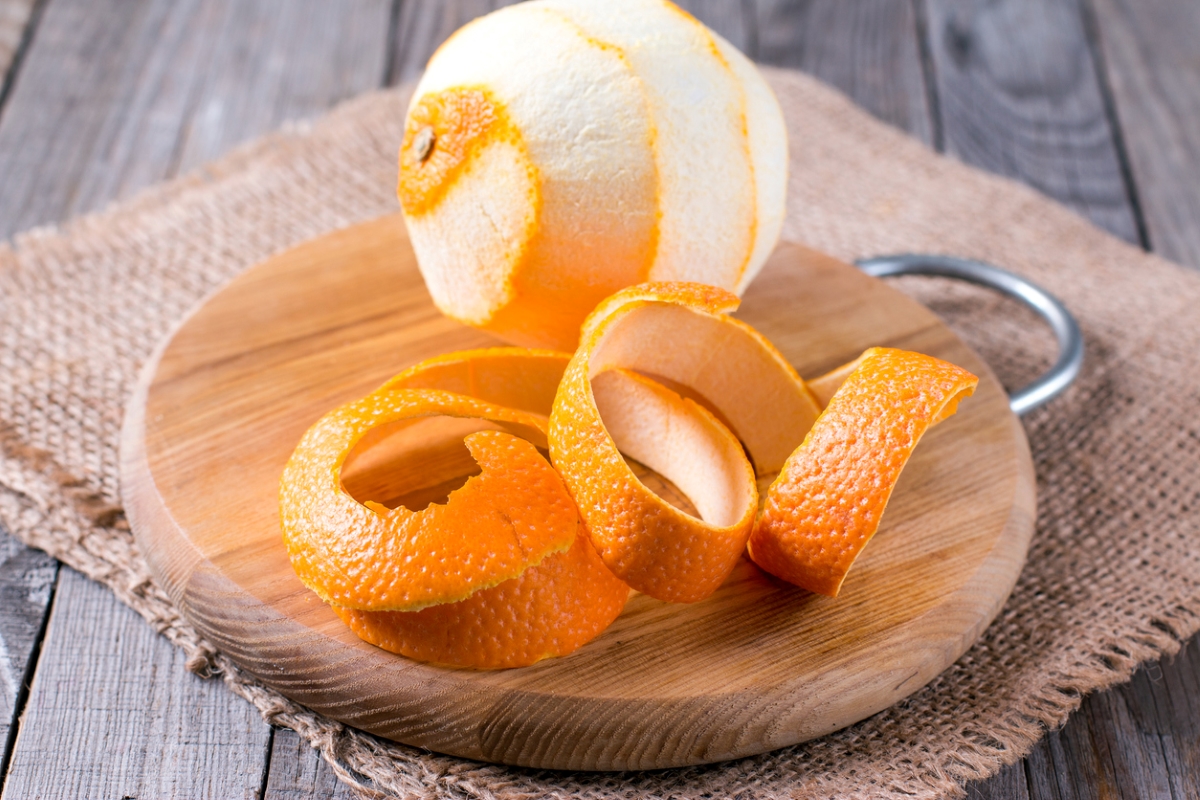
column 1113, row 576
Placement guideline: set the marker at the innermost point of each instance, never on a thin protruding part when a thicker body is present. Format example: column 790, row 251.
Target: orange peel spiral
column 502, row 572
column 618, row 395
column 370, row 557
column 447, row 584
column 829, row 498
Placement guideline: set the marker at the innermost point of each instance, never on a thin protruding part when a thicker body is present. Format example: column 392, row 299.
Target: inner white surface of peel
column 680, row 441
column 581, row 114
column 754, row 390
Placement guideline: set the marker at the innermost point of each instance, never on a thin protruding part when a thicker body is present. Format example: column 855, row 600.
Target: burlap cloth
column 1113, row 576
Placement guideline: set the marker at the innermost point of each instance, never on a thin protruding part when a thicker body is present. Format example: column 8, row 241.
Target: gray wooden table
column 1096, row 103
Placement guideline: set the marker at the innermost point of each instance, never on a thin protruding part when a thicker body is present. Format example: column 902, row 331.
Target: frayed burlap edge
column 73, row 514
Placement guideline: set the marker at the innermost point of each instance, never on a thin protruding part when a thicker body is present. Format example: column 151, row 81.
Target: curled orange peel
column 514, row 377
column 372, row 558
column 680, row 335
column 551, row 607
column 548, row 610
column 614, row 398
column 829, row 498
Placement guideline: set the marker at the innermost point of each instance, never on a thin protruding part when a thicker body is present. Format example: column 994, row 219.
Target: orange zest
column 496, row 572
column 614, row 397
column 370, row 557
column 549, row 610
column 428, row 517
column 829, row 498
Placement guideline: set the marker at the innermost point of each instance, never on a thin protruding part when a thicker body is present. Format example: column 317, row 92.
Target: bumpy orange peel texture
column 370, row 557
column 680, row 335
column 548, row 610
column 829, row 498
column 552, row 605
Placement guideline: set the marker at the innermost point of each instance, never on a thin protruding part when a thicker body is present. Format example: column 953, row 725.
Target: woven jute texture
column 1113, row 576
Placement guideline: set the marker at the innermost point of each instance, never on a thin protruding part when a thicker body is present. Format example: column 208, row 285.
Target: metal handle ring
column 1047, row 306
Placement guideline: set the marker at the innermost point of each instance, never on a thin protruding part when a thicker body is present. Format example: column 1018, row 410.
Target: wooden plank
column 298, row 772
column 1149, row 49
column 1018, row 95
column 1174, row 689
column 147, row 727
column 115, row 96
column 14, row 19
column 1077, row 760
column 1133, row 757
column 1062, row 767
column 111, row 97
column 1156, row 726
column 868, row 49
column 26, row 580
column 1141, row 739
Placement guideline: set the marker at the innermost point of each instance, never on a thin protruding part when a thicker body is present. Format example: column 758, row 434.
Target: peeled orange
column 556, row 151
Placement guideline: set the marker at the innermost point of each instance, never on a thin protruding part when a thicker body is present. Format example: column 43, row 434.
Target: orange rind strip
column 679, row 335
column 370, row 557
column 550, row 608
column 514, row 377
column 494, row 573
column 829, row 498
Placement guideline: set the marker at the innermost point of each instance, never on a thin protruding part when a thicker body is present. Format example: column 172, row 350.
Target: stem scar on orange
column 613, row 398
column 829, row 498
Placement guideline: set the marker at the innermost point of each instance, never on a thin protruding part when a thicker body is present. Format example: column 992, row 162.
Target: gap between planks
column 1042, row 116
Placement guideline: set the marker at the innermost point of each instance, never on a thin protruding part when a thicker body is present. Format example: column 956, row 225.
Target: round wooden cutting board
column 757, row 666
